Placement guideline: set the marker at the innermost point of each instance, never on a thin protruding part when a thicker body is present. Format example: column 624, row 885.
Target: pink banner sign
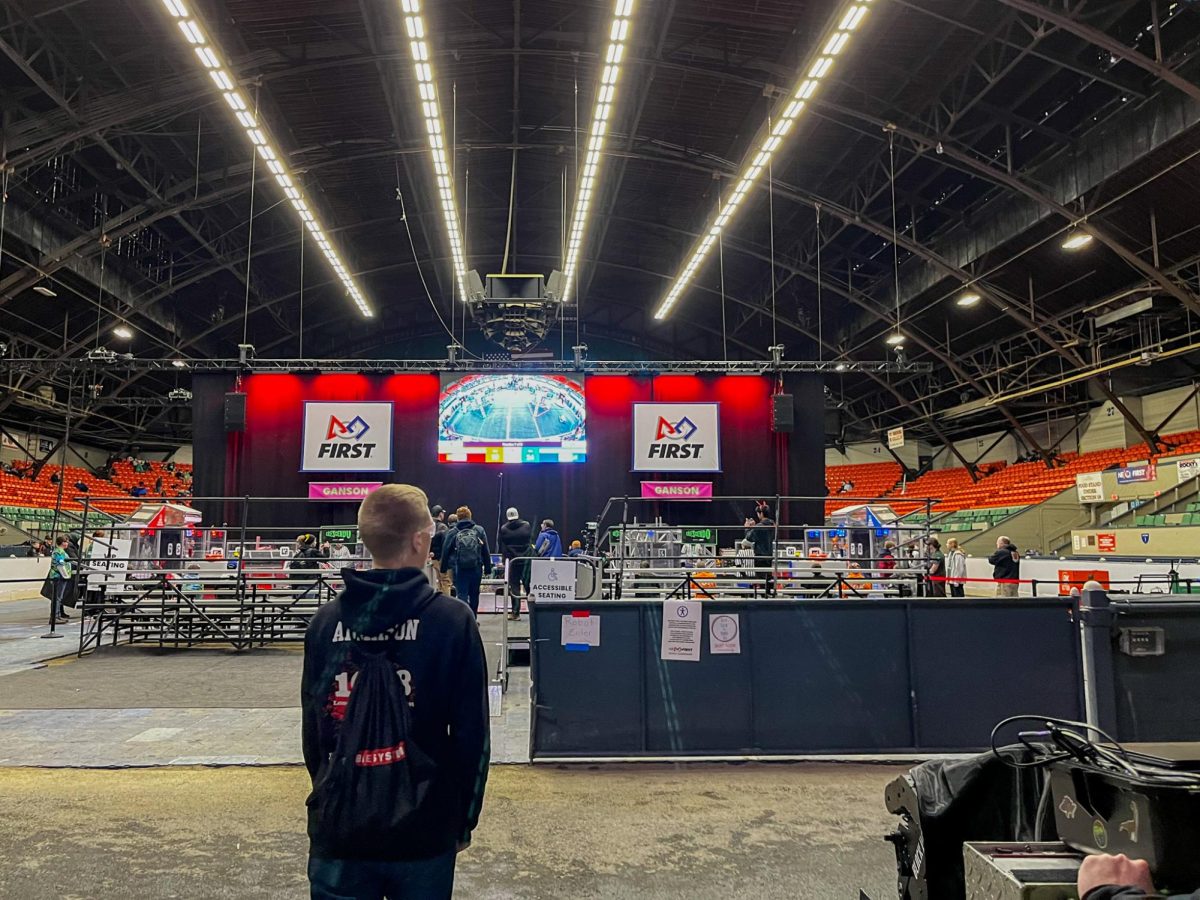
column 677, row 490
column 345, row 491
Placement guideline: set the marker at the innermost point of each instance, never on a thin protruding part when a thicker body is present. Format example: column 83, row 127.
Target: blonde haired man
column 433, row 645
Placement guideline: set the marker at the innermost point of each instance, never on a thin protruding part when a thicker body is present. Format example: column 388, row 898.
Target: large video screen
column 512, row 419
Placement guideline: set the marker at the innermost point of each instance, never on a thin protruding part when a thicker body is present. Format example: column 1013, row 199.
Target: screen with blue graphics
column 512, row 418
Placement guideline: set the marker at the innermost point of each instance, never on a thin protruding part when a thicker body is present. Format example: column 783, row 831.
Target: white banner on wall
column 676, row 437
column 895, row 438
column 355, row 436
column 1090, row 487
column 1188, row 469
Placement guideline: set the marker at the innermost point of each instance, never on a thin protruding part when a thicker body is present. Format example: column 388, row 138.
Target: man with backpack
column 466, row 552
column 548, row 543
column 395, row 718
column 516, row 545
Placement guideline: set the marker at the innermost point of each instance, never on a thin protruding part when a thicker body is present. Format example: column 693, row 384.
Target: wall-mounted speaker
column 235, row 412
column 783, row 412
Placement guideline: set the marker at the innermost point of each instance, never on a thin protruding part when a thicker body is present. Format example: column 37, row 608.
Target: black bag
column 48, row 588
column 468, row 549
column 369, row 796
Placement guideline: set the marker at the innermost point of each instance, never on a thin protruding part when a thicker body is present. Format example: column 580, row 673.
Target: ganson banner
column 676, row 437
column 355, row 436
column 346, row 491
column 677, row 490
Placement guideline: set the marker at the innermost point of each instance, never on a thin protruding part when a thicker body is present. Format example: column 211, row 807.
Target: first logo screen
column 347, row 437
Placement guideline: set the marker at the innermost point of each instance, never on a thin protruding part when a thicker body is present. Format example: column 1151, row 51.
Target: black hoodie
column 434, row 643
column 516, row 538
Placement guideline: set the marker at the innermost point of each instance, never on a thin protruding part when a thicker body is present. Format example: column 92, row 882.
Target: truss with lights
column 389, row 366
column 431, row 111
column 848, row 19
column 606, row 93
column 256, row 130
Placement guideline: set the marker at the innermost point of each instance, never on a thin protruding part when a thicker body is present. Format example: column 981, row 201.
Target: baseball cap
column 512, row 513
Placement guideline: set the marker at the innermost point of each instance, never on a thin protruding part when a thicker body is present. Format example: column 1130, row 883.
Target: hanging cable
column 3, row 211
column 100, row 292
column 895, row 233
column 771, row 228
column 424, row 284
column 301, row 350
column 250, row 234
column 721, row 270
column 820, row 326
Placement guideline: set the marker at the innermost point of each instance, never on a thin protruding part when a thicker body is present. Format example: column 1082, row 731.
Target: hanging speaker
column 235, row 412
column 783, row 412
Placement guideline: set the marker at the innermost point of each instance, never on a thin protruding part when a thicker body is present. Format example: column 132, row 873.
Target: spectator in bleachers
column 81, row 486
column 55, row 477
column 158, row 484
column 140, row 490
column 956, row 568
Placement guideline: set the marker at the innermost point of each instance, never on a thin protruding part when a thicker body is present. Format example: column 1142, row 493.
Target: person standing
column 444, row 579
column 760, row 532
column 516, row 544
column 389, row 818
column 956, row 568
column 306, row 559
column 936, row 569
column 1006, row 567
column 548, row 544
column 60, row 578
column 466, row 552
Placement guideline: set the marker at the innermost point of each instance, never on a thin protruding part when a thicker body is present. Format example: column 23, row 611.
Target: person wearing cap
column 305, row 559
column 548, row 543
column 445, row 578
column 576, row 549
column 516, row 544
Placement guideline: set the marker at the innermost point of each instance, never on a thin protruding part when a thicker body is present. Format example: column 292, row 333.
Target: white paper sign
column 355, row 436
column 724, row 633
column 681, row 630
column 581, row 632
column 1188, row 469
column 676, row 437
column 1090, row 487
column 552, row 579
column 895, row 438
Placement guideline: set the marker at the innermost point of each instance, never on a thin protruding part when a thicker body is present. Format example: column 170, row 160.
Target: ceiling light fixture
column 208, row 56
column 44, row 291
column 834, row 42
column 124, row 332
column 431, row 111
column 970, row 298
column 606, row 93
column 1076, row 239
column 179, row 363
column 894, row 339
column 840, row 367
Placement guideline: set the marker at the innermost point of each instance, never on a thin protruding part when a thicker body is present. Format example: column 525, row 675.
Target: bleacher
column 869, row 480
column 174, row 484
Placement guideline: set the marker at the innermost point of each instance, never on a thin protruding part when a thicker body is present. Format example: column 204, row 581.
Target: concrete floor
column 695, row 832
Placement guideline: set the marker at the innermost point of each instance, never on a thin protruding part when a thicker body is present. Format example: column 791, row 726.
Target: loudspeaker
column 235, row 412
column 783, row 412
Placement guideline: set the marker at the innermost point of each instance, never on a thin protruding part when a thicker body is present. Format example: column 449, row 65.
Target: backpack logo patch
column 385, row 757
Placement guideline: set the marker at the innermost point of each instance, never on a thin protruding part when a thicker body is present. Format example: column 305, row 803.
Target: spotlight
column 970, row 298
column 840, row 367
column 179, row 363
column 1076, row 240
column 124, row 332
column 894, row 339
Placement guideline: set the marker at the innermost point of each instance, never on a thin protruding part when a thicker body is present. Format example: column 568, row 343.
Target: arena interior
column 841, row 356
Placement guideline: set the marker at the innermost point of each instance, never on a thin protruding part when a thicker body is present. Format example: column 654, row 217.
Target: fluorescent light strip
column 831, row 44
column 418, row 48
column 606, row 93
column 259, row 135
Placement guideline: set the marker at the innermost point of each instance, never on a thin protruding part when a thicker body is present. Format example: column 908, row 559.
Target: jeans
column 518, row 577
column 353, row 879
column 60, row 594
column 466, row 583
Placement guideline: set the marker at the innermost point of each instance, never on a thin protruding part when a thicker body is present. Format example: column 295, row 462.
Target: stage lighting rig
column 515, row 311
